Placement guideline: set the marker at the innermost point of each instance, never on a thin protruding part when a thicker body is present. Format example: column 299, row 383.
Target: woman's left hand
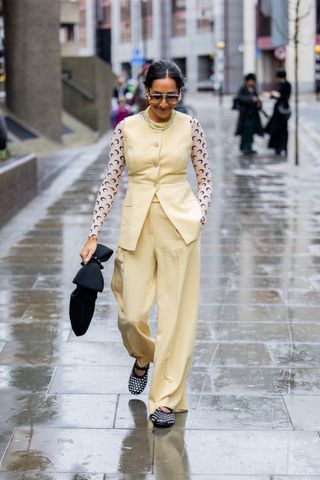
column 88, row 249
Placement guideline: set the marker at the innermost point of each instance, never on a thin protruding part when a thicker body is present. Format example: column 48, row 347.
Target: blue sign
column 137, row 57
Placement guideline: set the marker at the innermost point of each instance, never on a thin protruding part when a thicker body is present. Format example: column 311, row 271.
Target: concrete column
column 115, row 37
column 90, row 48
column 192, row 59
column 136, row 33
column 234, row 45
column 162, row 22
column 33, row 64
column 249, row 36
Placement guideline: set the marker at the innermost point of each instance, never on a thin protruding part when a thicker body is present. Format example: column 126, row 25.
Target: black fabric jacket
column 248, row 110
column 278, row 123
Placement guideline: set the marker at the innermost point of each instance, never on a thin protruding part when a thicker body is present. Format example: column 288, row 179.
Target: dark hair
column 281, row 74
column 250, row 76
column 163, row 69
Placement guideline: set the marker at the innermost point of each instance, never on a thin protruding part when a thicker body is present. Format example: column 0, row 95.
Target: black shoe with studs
column 136, row 383
column 163, row 419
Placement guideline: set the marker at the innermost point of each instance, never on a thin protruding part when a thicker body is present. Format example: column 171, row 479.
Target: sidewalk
column 254, row 388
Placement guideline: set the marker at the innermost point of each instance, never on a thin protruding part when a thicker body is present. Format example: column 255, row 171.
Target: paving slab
column 84, row 379
column 304, row 411
column 30, row 379
column 238, row 354
column 79, row 451
column 298, row 354
column 250, row 331
column 68, row 411
column 121, row 476
column 213, row 412
column 64, row 353
column 295, row 477
column 33, row 332
column 51, row 476
column 247, row 453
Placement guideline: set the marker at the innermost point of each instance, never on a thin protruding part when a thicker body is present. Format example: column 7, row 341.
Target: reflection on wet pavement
column 254, row 387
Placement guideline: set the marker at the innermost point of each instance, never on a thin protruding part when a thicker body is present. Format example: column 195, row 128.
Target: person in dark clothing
column 249, row 123
column 277, row 127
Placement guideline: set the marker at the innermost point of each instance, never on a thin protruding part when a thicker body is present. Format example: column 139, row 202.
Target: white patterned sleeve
column 200, row 161
column 111, row 182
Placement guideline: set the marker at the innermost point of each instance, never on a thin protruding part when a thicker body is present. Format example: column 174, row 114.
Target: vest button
column 156, row 144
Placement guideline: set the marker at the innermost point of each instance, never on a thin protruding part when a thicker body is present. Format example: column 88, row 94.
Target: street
column 254, row 387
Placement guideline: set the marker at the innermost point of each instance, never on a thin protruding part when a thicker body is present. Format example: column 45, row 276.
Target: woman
column 158, row 247
column 249, row 123
column 277, row 126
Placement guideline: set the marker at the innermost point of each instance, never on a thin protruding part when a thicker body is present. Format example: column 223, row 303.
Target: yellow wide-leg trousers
column 162, row 266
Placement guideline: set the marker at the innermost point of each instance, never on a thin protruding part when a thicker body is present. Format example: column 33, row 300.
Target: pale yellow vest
column 157, row 164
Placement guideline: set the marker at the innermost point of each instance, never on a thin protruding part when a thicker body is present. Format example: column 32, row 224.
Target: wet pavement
column 254, row 388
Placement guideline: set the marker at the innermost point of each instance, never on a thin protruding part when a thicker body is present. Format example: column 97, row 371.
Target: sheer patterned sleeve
column 200, row 161
column 111, row 182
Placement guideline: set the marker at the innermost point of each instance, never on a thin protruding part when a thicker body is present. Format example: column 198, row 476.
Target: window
column 146, row 18
column 178, row 18
column 67, row 32
column 107, row 16
column 204, row 16
column 204, row 68
column 181, row 62
column 125, row 20
column 106, row 12
column 264, row 19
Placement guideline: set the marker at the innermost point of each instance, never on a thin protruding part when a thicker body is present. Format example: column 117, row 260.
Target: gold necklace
column 161, row 126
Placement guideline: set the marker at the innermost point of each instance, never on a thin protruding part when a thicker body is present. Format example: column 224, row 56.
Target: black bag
column 284, row 110
column 90, row 275
column 89, row 281
column 236, row 105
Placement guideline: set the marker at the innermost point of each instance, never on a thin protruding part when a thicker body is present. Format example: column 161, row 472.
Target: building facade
column 211, row 40
column 269, row 30
column 85, row 28
column 186, row 31
column 69, row 27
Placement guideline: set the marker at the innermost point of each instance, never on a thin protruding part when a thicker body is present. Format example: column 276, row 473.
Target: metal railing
column 66, row 78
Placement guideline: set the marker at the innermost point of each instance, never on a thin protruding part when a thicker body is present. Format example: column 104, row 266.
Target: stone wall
column 88, row 93
column 18, row 185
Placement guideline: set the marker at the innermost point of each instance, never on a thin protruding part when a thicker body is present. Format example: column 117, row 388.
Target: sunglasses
column 171, row 98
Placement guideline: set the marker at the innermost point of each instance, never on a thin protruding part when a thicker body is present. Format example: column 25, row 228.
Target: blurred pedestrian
column 277, row 127
column 139, row 97
column 159, row 244
column 249, row 104
column 120, row 90
column 121, row 112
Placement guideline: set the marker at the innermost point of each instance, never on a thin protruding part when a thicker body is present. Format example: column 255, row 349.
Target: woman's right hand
column 88, row 249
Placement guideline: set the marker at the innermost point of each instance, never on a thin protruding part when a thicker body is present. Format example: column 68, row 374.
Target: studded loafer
column 163, row 419
column 138, row 383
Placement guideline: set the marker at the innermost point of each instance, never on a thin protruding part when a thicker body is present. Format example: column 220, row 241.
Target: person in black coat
column 277, row 126
column 249, row 123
